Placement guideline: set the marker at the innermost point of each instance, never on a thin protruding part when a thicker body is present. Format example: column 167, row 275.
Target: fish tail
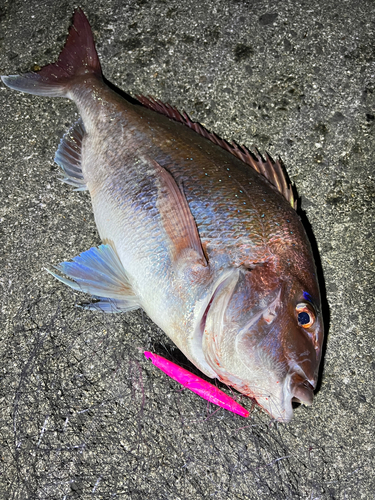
column 78, row 58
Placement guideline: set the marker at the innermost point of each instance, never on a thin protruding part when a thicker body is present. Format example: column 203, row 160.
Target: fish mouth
column 296, row 389
column 303, row 392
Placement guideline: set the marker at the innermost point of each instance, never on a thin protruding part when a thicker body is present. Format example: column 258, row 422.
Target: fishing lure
column 197, row 384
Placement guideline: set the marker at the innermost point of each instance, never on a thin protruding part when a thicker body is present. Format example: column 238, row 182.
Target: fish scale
column 213, row 227
column 199, row 233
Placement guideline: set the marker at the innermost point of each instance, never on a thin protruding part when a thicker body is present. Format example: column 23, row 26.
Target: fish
column 203, row 235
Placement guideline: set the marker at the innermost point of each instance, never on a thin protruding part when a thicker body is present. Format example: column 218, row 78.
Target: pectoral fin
column 177, row 219
column 99, row 271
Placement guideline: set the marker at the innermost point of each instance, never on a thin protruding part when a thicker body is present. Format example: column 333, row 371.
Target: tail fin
column 78, row 57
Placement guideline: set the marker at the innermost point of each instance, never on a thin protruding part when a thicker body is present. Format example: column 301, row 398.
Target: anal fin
column 99, row 272
column 68, row 156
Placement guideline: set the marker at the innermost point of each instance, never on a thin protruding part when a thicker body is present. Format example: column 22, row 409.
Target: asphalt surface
column 82, row 413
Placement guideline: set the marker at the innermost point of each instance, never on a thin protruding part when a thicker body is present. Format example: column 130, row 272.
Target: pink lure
column 196, row 384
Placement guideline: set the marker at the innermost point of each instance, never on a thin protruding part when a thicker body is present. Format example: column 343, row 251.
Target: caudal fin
column 77, row 58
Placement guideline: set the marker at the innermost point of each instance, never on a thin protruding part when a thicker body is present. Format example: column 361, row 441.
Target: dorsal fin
column 273, row 171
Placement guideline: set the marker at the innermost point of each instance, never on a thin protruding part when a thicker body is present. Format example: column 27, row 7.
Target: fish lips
column 302, row 390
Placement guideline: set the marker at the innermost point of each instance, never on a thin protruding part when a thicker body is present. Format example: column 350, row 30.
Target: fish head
column 263, row 335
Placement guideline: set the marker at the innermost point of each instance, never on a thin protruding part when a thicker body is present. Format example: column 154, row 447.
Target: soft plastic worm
column 196, row 384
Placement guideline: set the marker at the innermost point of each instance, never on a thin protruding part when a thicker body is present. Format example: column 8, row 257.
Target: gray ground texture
column 82, row 413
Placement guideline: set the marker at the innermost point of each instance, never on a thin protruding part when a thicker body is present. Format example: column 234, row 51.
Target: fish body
column 213, row 251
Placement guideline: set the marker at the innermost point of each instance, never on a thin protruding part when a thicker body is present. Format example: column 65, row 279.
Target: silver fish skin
column 193, row 232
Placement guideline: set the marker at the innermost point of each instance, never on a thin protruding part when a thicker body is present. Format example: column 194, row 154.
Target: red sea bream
column 200, row 234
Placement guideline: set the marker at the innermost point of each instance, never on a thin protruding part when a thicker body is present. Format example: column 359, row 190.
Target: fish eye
column 305, row 315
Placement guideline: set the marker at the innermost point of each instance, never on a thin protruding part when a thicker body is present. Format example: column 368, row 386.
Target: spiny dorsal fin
column 273, row 171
